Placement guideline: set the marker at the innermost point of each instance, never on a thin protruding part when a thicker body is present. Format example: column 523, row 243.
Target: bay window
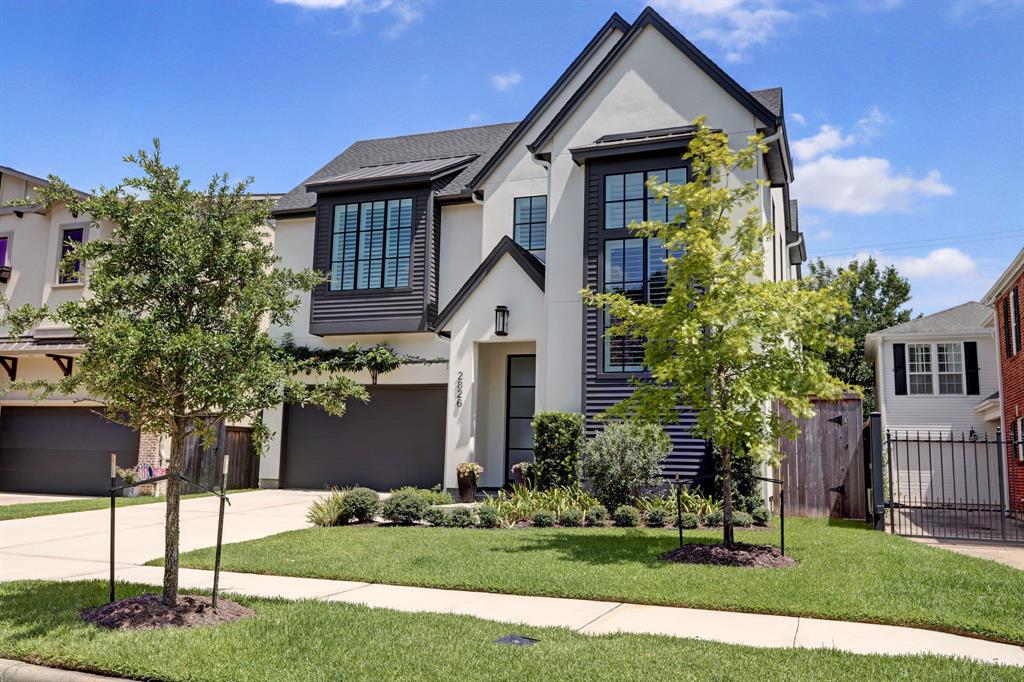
column 371, row 244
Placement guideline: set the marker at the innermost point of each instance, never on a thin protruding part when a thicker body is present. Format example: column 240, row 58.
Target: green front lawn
column 846, row 571
column 333, row 641
column 30, row 509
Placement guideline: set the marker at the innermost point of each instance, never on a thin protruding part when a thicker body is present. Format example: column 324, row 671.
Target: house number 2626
column 458, row 391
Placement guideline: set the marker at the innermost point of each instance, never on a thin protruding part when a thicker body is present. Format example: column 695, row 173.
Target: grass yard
column 846, row 571
column 30, row 509
column 332, row 641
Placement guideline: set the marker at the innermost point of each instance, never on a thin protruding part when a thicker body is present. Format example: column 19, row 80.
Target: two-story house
column 59, row 445
column 1004, row 297
column 472, row 246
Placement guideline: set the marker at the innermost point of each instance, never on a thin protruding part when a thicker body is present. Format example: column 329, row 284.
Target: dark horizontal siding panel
column 689, row 457
column 368, row 311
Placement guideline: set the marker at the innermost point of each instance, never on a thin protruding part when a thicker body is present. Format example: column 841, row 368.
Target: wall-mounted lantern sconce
column 501, row 320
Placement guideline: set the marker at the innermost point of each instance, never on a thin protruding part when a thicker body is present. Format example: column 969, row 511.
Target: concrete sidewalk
column 604, row 617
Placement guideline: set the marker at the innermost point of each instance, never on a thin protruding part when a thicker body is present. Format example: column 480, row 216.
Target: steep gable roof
column 650, row 18
column 614, row 23
column 530, row 264
column 481, row 141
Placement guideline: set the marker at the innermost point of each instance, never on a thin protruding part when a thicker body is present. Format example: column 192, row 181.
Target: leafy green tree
column 727, row 343
column 175, row 320
column 877, row 298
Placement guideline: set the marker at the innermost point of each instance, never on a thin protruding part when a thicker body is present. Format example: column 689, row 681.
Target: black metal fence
column 953, row 486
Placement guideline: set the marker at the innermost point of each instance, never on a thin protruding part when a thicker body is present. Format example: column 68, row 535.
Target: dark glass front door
column 521, row 386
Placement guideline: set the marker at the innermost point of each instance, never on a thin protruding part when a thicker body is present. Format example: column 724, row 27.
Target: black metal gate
column 945, row 486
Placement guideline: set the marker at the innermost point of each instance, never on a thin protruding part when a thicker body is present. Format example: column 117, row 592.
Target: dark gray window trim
column 410, row 258
column 530, row 264
column 614, row 23
column 651, row 18
column 531, row 223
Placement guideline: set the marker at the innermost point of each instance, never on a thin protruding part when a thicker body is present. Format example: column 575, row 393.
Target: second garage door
column 396, row 439
column 61, row 450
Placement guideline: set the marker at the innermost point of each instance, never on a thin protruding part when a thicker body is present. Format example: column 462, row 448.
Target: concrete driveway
column 76, row 545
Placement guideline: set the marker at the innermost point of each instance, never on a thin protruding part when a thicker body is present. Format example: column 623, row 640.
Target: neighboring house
column 60, row 445
column 1004, row 297
column 472, row 246
column 937, row 379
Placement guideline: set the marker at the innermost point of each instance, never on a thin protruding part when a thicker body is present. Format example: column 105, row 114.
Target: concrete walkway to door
column 64, row 546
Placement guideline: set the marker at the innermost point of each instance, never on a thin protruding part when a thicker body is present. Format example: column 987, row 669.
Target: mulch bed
column 742, row 554
column 148, row 612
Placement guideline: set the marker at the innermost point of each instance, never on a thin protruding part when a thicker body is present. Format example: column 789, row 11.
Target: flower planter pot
column 467, row 488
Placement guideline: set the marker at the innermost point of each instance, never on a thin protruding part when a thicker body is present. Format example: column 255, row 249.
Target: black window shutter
column 971, row 363
column 899, row 365
column 1016, row 319
column 1007, row 332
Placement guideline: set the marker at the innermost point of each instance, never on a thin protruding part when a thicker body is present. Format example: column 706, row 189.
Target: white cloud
column 504, row 82
column 474, row 117
column 970, row 12
column 827, row 139
column 734, row 25
column 823, row 235
column 861, row 185
column 799, row 118
column 404, row 12
column 944, row 262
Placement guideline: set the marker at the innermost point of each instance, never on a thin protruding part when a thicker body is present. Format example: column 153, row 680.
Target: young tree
column 726, row 343
column 877, row 298
column 175, row 319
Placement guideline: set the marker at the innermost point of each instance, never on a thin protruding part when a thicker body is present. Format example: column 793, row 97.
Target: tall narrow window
column 1015, row 320
column 371, row 245
column 531, row 224
column 949, row 357
column 919, row 368
column 3, row 251
column 70, row 237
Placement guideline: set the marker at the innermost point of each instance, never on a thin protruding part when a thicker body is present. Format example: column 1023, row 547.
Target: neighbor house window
column 3, row 251
column 1014, row 308
column 531, row 224
column 371, row 243
column 919, row 368
column 634, row 266
column 949, row 358
column 1017, row 438
column 70, row 237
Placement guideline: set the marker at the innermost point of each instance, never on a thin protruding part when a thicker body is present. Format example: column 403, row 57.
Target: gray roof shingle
column 771, row 98
column 966, row 317
column 481, row 140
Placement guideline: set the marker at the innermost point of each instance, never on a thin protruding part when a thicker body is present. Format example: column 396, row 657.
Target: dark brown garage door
column 61, row 450
column 396, row 439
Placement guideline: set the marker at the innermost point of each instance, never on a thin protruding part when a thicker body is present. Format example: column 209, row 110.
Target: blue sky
column 906, row 116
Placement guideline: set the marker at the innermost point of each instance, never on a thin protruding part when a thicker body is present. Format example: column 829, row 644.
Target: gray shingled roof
column 771, row 98
column 966, row 317
column 481, row 140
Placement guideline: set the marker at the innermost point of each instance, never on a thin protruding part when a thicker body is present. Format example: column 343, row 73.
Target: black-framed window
column 371, row 245
column 70, row 237
column 531, row 224
column 633, row 266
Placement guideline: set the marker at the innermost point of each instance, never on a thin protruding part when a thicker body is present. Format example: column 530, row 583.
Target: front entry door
column 521, row 386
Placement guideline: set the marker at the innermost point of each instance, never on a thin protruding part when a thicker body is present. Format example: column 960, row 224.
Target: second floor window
column 531, row 224
column 3, row 251
column 919, row 368
column 70, row 237
column 371, row 245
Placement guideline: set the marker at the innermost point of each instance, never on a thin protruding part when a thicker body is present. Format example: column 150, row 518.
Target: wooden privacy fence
column 823, row 468
column 203, row 464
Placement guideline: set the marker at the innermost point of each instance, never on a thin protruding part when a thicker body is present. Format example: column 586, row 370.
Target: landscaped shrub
column 762, row 517
column 623, row 461
column 487, row 517
column 361, row 504
column 326, row 511
column 656, row 517
column 431, row 496
column 742, row 518
column 435, row 516
column 558, row 444
column 714, row 518
column 626, row 516
column 688, row 520
column 460, row 517
column 543, row 518
column 404, row 508
column 597, row 515
column 571, row 517
column 521, row 503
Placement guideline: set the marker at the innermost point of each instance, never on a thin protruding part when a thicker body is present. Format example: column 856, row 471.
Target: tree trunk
column 727, row 532
column 172, row 527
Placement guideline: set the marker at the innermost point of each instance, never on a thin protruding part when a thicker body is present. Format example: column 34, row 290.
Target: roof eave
column 1002, row 284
